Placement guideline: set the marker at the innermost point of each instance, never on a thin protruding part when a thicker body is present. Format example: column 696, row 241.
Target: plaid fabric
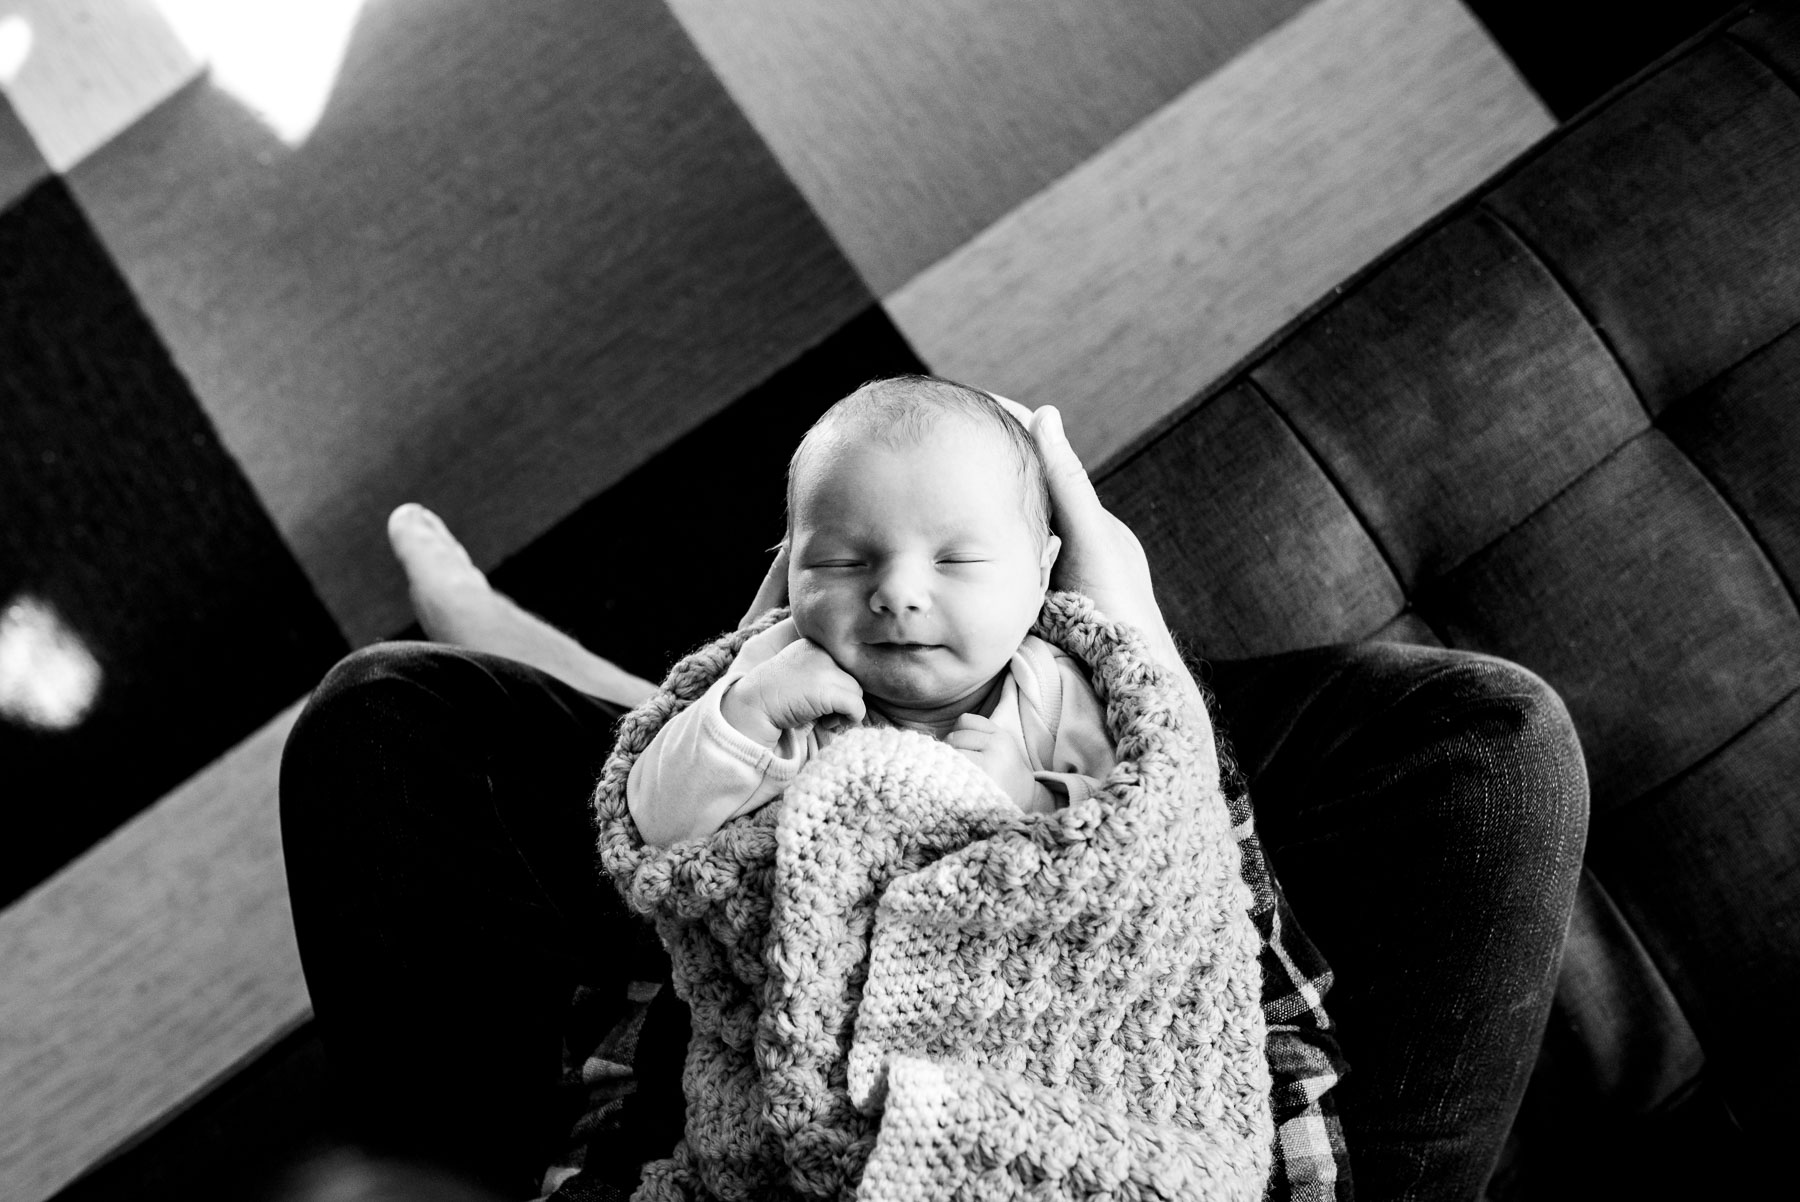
column 1311, row 1162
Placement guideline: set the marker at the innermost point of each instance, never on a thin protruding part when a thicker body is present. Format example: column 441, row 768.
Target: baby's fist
column 799, row 684
column 998, row 754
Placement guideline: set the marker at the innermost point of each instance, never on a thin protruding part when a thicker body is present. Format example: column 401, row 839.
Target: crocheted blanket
column 902, row 987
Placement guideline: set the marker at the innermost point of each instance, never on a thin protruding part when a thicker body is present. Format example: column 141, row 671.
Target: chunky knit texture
column 904, row 988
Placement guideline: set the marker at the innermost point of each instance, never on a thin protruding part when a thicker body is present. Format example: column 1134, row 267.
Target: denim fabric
column 446, row 896
column 1426, row 812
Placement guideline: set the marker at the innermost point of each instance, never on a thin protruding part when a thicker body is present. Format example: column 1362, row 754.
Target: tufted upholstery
column 1562, row 424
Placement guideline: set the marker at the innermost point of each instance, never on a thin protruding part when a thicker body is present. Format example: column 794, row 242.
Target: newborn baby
column 919, row 553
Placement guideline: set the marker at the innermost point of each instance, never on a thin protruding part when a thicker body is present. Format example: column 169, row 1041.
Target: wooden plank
column 87, row 69
column 146, row 970
column 913, row 124
column 1149, row 270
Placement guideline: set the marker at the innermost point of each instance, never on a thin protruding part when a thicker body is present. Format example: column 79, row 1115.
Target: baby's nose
column 901, row 589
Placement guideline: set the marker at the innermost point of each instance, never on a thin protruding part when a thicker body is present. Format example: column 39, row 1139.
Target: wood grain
column 1149, row 270
column 93, row 68
column 145, row 971
column 912, row 124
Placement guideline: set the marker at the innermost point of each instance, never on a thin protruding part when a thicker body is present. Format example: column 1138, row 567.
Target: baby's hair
column 903, row 409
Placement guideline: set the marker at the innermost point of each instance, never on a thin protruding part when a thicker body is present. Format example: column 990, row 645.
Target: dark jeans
column 1425, row 811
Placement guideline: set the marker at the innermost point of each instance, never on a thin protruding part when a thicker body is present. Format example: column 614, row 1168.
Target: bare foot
column 455, row 604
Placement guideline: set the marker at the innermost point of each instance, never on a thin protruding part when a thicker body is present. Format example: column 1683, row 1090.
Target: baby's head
column 919, row 538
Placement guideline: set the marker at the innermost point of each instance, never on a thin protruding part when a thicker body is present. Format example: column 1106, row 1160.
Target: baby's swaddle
column 904, row 988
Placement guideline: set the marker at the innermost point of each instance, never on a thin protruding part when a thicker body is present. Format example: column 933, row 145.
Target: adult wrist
column 1168, row 653
column 1151, row 624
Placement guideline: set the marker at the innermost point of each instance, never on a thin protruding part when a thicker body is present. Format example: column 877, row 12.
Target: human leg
column 1425, row 812
column 447, row 898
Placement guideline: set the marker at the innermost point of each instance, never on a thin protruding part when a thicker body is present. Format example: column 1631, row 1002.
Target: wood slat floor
column 146, row 971
column 88, row 69
column 910, row 127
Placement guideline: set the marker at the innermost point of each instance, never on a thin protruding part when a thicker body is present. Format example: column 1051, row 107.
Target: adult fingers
column 1072, row 497
column 1075, row 506
column 772, row 591
column 1013, row 407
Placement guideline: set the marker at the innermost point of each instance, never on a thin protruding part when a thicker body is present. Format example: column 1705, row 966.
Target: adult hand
column 1100, row 555
column 772, row 591
column 1102, row 558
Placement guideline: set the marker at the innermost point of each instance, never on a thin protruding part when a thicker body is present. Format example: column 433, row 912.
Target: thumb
column 1013, row 407
column 1073, row 502
column 772, row 591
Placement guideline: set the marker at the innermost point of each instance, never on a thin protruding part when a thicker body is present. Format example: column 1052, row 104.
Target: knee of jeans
column 1519, row 727
column 363, row 701
column 378, row 667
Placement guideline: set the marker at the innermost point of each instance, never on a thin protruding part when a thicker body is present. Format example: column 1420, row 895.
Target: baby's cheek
column 819, row 618
column 807, row 612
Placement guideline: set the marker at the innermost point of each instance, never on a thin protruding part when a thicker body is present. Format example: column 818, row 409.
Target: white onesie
column 699, row 772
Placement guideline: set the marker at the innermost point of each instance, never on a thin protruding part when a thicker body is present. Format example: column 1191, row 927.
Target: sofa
column 1561, row 424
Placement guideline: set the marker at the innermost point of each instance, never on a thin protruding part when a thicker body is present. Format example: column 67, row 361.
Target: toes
column 422, row 543
column 416, row 526
column 413, row 519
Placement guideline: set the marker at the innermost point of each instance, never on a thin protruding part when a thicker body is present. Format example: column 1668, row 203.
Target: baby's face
column 914, row 566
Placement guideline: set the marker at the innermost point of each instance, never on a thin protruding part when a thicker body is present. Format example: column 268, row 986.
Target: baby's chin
column 896, row 690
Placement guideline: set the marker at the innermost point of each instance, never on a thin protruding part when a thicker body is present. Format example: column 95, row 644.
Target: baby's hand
column 799, row 684
column 998, row 754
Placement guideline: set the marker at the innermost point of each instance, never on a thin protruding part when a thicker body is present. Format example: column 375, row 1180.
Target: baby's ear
column 1046, row 561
